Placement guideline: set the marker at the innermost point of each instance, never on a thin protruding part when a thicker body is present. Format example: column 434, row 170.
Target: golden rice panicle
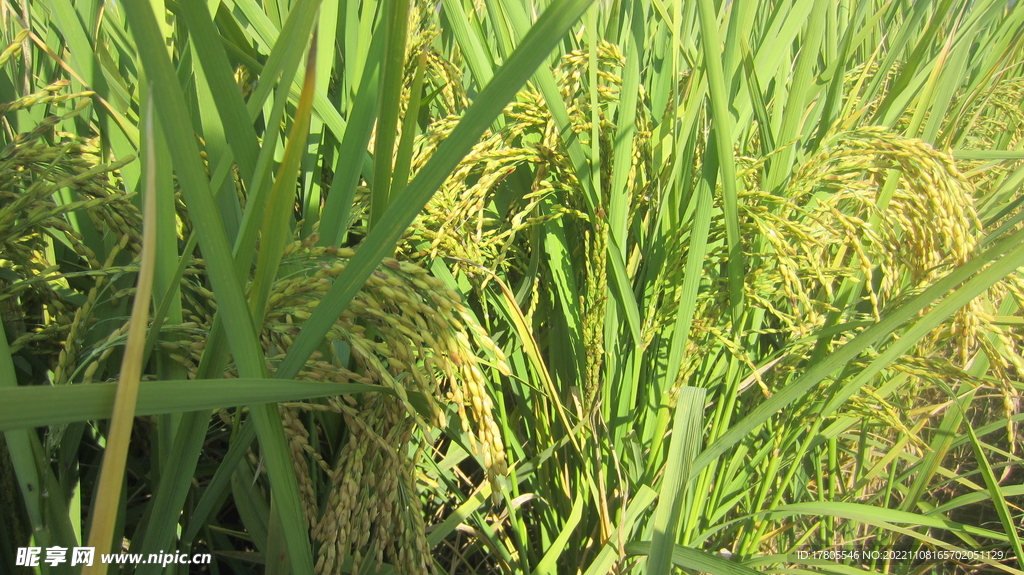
column 458, row 220
column 927, row 227
column 334, row 529
column 406, row 332
column 425, row 341
column 997, row 118
column 300, row 450
column 36, row 168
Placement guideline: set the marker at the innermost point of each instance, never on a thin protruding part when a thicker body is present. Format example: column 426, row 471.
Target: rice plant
column 509, row 286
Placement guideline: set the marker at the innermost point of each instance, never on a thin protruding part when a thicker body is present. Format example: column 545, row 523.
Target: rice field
column 512, row 286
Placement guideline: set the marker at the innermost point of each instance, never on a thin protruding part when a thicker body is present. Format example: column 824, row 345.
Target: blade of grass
column 619, row 192
column 410, row 125
column 217, row 148
column 764, row 124
column 896, row 98
column 548, row 563
column 36, row 406
column 723, row 121
column 396, row 17
column 322, row 141
column 939, row 445
column 622, row 293
column 688, row 558
column 989, row 155
column 347, row 169
column 284, row 62
column 215, row 68
column 794, row 112
column 47, row 516
column 169, row 104
column 556, row 247
column 472, row 46
column 115, row 454
column 695, row 256
column 533, row 352
column 253, row 509
column 887, row 518
column 545, row 80
column 276, row 229
column 605, row 560
column 686, row 437
column 166, row 282
column 276, row 555
column 220, row 482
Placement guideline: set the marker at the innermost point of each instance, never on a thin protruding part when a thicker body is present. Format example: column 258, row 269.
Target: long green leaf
column 122, row 418
column 35, row 406
column 335, row 215
column 228, row 99
column 396, row 18
column 723, row 122
column 548, row 562
column 686, row 437
column 689, row 558
column 276, row 229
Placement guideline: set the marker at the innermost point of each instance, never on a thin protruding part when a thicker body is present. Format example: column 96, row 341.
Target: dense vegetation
column 513, row 286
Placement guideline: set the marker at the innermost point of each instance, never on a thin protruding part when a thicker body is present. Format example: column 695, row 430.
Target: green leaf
column 687, row 433
column 723, row 123
column 35, row 406
column 549, row 561
column 695, row 559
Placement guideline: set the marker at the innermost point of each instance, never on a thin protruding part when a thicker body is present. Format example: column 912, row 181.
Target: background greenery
column 514, row 286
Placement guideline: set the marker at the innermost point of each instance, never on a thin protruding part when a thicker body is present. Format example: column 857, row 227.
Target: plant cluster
column 513, row 286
